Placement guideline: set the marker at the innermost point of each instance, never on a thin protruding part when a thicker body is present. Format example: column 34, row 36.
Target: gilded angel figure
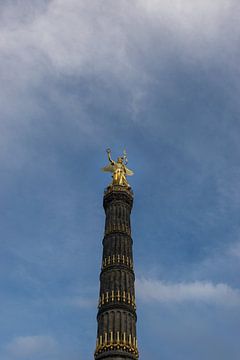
column 119, row 169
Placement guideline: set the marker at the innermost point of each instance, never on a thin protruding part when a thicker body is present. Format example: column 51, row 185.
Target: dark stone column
column 116, row 335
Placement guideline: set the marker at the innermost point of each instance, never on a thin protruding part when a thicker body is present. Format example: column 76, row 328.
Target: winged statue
column 118, row 169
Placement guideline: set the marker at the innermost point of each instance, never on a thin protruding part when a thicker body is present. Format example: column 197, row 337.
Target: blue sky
column 160, row 79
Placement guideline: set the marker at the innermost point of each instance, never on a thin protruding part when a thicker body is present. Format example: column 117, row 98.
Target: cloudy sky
column 161, row 79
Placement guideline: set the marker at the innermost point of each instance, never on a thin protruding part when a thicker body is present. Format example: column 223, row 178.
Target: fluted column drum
column 116, row 334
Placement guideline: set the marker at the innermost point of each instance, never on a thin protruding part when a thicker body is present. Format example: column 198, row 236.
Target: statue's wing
column 108, row 168
column 129, row 172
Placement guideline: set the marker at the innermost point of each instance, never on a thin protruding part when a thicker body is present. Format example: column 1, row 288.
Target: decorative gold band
column 117, row 296
column 117, row 259
column 108, row 341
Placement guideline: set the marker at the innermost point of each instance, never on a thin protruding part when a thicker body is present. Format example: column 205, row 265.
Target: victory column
column 116, row 334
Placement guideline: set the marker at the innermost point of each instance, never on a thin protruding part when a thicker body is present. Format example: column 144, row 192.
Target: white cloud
column 38, row 48
column 195, row 21
column 76, row 37
column 150, row 290
column 70, row 37
column 23, row 347
column 107, row 41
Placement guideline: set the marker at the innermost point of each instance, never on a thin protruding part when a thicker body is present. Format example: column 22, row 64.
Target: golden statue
column 118, row 168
